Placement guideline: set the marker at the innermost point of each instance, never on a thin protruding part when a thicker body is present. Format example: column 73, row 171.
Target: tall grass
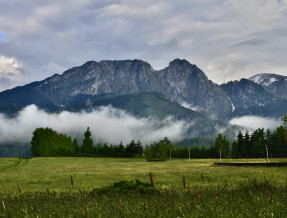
column 256, row 198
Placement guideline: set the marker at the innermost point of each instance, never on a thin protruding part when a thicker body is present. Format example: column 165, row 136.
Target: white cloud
column 255, row 122
column 107, row 125
column 9, row 68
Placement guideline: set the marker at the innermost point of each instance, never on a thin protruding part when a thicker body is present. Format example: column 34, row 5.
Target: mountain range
column 181, row 90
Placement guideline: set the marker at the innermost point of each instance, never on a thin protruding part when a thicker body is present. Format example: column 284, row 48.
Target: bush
column 132, row 186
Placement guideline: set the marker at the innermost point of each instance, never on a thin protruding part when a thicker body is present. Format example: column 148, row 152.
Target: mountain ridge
column 181, row 82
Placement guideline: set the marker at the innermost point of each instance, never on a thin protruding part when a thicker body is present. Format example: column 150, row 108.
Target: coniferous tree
column 234, row 149
column 257, row 148
column 76, row 145
column 240, row 145
column 279, row 142
column 247, row 144
column 87, row 147
column 131, row 149
column 139, row 149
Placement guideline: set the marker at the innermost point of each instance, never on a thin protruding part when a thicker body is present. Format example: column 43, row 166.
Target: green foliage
column 221, row 146
column 279, row 141
column 47, row 142
column 134, row 149
column 132, row 186
column 258, row 143
column 234, row 149
column 88, row 144
column 254, row 146
column 284, row 120
column 158, row 151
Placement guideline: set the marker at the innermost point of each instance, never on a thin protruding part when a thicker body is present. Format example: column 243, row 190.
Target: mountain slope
column 140, row 105
column 159, row 107
column 249, row 98
column 12, row 101
column 196, row 89
column 274, row 83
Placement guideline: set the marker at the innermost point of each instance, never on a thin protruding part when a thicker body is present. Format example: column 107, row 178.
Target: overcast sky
column 227, row 39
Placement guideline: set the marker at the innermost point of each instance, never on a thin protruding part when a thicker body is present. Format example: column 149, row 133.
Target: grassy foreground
column 42, row 186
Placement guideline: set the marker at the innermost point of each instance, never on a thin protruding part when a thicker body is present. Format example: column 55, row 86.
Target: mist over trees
column 260, row 142
column 47, row 142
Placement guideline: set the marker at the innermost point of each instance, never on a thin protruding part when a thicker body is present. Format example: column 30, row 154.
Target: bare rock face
column 196, row 90
column 180, row 82
column 249, row 98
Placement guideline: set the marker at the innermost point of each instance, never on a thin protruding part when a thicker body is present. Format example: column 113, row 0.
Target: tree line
column 47, row 142
column 261, row 143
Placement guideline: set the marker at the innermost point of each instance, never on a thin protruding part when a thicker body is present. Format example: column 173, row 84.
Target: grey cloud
column 49, row 37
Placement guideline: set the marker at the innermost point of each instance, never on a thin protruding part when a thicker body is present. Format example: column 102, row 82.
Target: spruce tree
column 87, row 147
column 240, row 145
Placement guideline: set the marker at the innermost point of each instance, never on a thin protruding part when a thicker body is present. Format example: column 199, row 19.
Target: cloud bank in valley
column 107, row 125
column 255, row 122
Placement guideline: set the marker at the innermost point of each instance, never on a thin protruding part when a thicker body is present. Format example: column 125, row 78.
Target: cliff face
column 180, row 82
column 196, row 90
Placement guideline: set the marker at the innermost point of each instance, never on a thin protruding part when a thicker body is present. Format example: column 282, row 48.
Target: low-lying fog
column 107, row 124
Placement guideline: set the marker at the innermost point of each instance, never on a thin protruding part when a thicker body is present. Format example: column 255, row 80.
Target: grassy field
column 211, row 190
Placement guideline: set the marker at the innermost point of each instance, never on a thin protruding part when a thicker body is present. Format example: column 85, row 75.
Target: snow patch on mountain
column 257, row 79
column 264, row 79
column 232, row 105
column 271, row 80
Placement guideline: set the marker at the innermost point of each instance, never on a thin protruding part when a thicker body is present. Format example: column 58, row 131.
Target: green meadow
column 66, row 186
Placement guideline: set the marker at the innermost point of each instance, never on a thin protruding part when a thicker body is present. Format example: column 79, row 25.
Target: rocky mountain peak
column 179, row 62
column 274, row 83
